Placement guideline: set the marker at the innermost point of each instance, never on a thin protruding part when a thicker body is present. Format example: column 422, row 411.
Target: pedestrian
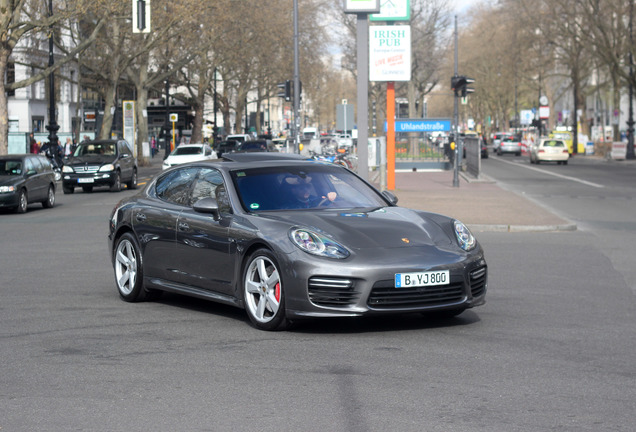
column 68, row 147
column 33, row 144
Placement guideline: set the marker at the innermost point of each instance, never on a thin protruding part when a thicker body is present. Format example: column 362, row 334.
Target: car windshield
column 88, row 149
column 254, row 145
column 10, row 167
column 181, row 151
column 303, row 187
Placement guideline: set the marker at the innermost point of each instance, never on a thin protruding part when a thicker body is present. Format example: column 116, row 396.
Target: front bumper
column 8, row 199
column 322, row 289
column 88, row 179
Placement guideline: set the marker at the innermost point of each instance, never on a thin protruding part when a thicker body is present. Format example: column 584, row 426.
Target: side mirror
column 388, row 195
column 207, row 205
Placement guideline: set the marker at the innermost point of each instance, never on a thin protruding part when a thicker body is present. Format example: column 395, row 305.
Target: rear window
column 187, row 151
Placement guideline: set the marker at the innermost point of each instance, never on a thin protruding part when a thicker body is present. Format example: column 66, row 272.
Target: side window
column 46, row 164
column 124, row 148
column 175, row 186
column 206, row 185
column 29, row 165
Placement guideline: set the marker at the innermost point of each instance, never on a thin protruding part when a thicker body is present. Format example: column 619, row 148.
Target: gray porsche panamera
column 286, row 239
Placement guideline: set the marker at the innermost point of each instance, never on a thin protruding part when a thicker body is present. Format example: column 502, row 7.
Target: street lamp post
column 52, row 127
column 215, row 128
column 630, row 121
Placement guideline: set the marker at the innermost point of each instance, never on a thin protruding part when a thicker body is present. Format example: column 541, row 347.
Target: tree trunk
column 4, row 109
column 142, row 125
column 107, row 120
column 197, row 124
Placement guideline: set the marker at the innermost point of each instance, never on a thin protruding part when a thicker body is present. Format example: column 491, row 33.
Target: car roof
column 262, row 156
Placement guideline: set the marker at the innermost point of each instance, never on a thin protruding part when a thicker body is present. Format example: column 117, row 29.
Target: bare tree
column 21, row 20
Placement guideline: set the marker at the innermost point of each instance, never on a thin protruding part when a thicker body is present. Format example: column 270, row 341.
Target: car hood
column 387, row 227
column 10, row 180
column 90, row 160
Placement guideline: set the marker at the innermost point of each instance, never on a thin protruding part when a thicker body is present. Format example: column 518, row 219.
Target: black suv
column 100, row 163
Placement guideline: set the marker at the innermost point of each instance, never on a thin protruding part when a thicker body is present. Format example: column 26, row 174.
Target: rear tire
column 116, row 186
column 132, row 184
column 49, row 202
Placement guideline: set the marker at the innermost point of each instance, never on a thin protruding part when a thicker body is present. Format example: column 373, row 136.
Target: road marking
column 596, row 185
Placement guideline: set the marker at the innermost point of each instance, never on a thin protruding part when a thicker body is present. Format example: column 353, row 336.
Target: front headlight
column 317, row 244
column 7, row 189
column 465, row 238
column 67, row 169
column 107, row 168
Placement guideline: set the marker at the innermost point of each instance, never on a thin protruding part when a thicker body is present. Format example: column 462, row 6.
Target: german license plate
column 85, row 180
column 408, row 280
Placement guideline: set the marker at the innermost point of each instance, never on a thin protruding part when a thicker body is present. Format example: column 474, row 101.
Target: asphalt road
column 598, row 195
column 553, row 348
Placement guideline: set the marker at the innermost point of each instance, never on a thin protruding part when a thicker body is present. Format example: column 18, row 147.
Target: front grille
column 478, row 280
column 332, row 292
column 86, row 169
column 384, row 295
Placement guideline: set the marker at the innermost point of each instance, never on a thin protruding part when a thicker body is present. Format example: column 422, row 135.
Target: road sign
column 174, row 117
column 421, row 125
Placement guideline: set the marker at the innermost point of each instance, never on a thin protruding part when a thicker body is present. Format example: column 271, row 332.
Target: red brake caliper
column 277, row 292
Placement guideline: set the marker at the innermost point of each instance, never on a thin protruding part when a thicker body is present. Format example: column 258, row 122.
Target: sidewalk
column 481, row 204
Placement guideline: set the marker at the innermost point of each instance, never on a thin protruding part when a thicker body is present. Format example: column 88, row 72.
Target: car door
column 203, row 244
column 35, row 179
column 155, row 221
column 126, row 160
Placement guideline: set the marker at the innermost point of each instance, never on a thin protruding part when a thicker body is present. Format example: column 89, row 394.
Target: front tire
column 67, row 190
column 128, row 269
column 23, row 202
column 263, row 292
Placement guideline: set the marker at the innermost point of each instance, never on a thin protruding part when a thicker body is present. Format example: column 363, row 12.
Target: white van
column 239, row 137
column 310, row 133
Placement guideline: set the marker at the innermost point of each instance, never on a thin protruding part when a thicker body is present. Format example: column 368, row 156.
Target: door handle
column 140, row 217
column 183, row 226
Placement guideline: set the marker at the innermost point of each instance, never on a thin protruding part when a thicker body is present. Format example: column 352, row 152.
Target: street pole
column 362, row 36
column 215, row 128
column 52, row 127
column 296, row 123
column 630, row 122
column 456, row 119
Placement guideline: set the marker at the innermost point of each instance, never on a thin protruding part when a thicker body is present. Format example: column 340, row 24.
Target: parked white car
column 189, row 153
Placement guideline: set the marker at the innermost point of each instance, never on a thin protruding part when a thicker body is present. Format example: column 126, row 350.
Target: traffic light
column 141, row 16
column 459, row 84
column 287, row 90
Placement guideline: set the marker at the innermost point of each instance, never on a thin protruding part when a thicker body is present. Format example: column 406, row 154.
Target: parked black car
column 223, row 147
column 24, row 179
column 260, row 145
column 100, row 163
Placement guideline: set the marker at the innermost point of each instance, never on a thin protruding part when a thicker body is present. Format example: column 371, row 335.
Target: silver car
column 287, row 239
